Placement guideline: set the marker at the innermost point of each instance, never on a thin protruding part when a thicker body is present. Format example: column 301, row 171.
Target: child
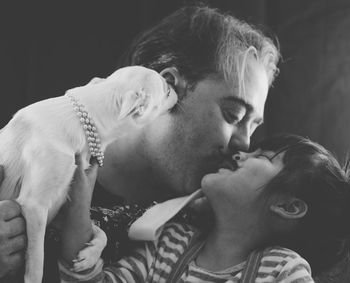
column 289, row 193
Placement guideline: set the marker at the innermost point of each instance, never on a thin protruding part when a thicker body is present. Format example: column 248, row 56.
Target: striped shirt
column 153, row 262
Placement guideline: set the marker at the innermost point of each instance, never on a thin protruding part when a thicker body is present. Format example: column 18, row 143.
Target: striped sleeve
column 283, row 265
column 133, row 268
column 297, row 270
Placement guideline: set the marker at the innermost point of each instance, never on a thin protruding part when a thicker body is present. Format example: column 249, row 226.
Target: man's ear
column 173, row 77
column 292, row 208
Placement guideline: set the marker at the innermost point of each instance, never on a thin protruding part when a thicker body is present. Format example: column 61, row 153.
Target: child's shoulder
column 280, row 264
column 184, row 229
column 283, row 258
column 174, row 232
column 280, row 252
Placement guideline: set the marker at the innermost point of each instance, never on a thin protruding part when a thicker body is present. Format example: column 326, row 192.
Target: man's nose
column 240, row 140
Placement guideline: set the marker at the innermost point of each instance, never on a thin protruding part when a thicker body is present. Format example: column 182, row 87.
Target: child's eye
column 264, row 156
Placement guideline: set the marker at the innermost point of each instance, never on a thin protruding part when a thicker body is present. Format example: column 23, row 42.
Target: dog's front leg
column 44, row 188
column 36, row 219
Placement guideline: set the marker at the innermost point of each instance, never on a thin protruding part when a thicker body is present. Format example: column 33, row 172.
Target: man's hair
column 201, row 41
column 312, row 174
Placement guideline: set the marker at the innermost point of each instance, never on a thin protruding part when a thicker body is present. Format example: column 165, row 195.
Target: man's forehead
column 253, row 92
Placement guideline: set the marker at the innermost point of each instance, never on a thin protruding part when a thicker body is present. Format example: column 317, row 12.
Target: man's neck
column 128, row 175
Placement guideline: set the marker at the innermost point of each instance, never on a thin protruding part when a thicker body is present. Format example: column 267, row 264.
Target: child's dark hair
column 312, row 174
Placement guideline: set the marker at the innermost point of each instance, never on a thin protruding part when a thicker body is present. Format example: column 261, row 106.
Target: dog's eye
column 168, row 90
column 141, row 109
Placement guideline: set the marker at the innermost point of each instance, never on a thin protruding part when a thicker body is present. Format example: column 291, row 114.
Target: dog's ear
column 132, row 103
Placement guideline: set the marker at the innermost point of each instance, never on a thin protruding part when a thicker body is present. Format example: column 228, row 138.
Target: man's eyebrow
column 239, row 101
column 249, row 108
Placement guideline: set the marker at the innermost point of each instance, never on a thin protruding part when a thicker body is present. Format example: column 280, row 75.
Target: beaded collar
column 91, row 134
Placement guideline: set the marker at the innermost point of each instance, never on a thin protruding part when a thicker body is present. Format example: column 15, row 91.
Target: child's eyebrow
column 284, row 149
column 276, row 153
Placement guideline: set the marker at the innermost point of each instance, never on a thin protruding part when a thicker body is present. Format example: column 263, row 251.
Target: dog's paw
column 89, row 256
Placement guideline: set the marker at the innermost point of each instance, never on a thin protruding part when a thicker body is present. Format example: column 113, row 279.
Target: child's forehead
column 267, row 150
column 272, row 154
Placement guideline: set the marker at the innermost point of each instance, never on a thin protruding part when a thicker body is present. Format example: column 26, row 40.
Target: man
column 221, row 69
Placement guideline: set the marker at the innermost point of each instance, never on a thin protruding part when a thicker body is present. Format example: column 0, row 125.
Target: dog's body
column 38, row 146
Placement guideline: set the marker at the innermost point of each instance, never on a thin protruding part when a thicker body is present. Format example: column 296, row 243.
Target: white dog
column 38, row 146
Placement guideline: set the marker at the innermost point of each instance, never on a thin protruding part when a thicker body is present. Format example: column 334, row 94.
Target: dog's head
column 143, row 94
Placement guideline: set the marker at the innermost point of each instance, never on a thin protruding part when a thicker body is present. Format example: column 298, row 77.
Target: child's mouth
column 229, row 164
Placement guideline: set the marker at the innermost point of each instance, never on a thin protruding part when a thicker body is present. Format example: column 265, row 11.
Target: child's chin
column 211, row 181
column 207, row 180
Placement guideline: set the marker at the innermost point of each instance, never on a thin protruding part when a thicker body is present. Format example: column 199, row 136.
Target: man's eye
column 231, row 117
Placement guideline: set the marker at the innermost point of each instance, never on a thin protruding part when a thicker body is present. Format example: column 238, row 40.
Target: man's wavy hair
column 200, row 42
column 312, row 174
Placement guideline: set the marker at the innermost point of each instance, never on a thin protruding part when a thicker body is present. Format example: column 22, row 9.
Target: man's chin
column 191, row 184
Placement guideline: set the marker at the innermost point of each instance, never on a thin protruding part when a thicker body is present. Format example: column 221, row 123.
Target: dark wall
column 312, row 94
column 47, row 50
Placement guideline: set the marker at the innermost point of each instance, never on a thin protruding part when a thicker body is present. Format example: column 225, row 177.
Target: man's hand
column 13, row 240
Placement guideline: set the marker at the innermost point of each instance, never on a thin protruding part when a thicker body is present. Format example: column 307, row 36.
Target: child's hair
column 312, row 174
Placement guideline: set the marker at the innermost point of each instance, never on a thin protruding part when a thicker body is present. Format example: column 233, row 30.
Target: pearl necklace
column 91, row 134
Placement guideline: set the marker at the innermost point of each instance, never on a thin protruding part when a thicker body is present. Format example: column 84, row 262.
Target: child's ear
column 292, row 208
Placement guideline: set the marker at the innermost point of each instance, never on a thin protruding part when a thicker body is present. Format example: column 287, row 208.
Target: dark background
column 45, row 50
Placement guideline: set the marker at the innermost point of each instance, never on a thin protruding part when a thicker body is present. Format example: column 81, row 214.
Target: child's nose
column 240, row 156
column 236, row 157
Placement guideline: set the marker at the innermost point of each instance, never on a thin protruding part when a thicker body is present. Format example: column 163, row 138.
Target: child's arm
column 77, row 226
column 77, row 230
column 131, row 269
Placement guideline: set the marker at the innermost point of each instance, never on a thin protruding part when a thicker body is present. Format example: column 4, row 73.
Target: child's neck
column 225, row 247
